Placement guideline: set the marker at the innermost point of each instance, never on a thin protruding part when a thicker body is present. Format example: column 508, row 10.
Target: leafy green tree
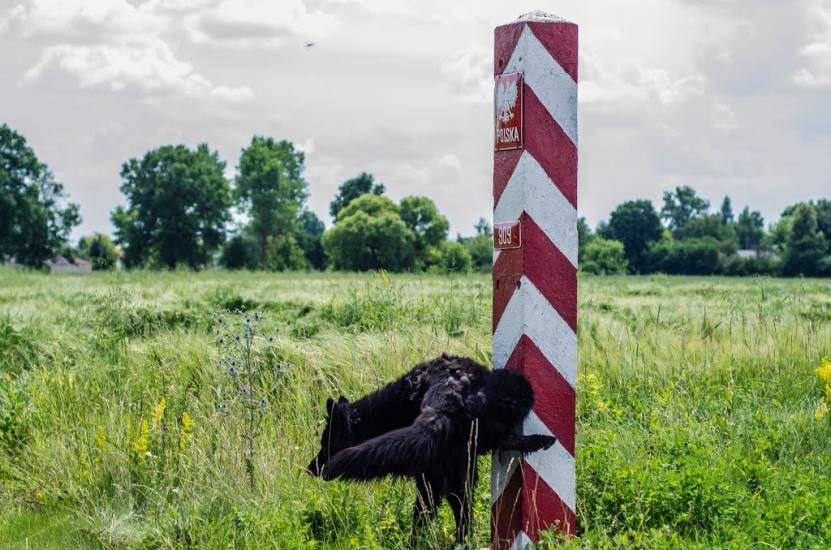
column 271, row 189
column 310, row 239
column 688, row 257
column 635, row 224
column 604, row 257
column 241, row 252
column 455, row 258
column 778, row 234
column 178, row 203
column 35, row 215
column 353, row 188
column 726, row 211
column 360, row 242
column 682, row 205
column 710, row 225
column 584, row 237
column 750, row 229
column 421, row 216
column 99, row 249
column 480, row 248
column 371, row 205
column 806, row 245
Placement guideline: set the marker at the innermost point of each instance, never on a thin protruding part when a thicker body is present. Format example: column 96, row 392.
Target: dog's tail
column 405, row 452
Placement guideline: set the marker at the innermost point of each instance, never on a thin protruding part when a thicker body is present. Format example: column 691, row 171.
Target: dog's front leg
column 424, row 510
column 527, row 444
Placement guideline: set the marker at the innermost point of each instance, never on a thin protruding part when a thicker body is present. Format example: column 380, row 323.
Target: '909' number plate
column 507, row 235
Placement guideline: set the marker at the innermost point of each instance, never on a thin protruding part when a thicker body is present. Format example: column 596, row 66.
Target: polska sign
column 507, row 101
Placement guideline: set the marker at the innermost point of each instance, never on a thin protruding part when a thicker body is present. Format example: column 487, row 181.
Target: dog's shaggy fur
column 430, row 425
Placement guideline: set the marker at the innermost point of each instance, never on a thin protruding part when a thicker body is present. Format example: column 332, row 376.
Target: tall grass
column 696, row 408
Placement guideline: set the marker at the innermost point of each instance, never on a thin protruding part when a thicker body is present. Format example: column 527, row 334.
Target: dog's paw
column 540, row 442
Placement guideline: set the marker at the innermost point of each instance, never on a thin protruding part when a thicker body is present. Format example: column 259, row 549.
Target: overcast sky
column 729, row 96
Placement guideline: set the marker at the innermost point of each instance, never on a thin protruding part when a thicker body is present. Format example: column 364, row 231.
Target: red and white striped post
column 535, row 267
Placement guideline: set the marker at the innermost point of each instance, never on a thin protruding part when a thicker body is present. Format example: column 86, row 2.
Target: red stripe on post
column 550, row 271
column 561, row 41
column 548, row 509
column 506, row 513
column 503, row 168
column 555, row 399
column 543, row 263
column 548, row 138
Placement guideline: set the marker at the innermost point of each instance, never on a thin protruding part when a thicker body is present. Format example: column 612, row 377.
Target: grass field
column 697, row 409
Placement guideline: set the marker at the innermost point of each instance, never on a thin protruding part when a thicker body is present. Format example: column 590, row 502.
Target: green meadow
column 700, row 415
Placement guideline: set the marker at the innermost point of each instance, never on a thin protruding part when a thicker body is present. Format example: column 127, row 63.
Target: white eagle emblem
column 507, row 94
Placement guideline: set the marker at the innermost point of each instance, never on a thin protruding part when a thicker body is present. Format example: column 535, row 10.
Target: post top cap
column 539, row 15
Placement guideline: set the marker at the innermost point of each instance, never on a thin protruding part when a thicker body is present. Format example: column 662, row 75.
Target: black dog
column 429, row 424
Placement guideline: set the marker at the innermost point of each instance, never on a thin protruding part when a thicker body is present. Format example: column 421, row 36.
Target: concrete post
column 535, row 266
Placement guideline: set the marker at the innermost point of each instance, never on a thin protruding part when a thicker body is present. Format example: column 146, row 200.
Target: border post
column 535, row 267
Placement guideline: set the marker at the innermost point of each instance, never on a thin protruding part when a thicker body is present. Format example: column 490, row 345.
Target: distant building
column 62, row 265
column 752, row 253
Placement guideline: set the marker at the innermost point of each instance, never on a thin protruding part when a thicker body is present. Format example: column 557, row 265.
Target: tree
column 270, row 188
column 604, row 257
column 584, row 237
column 360, row 242
column 806, row 244
column 681, row 206
column 241, row 252
column 455, row 258
column 710, row 225
column 750, row 229
column 99, row 250
column 177, row 207
column 421, row 216
column 35, row 215
column 778, row 234
column 635, row 224
column 310, row 237
column 371, row 205
column 353, row 188
column 726, row 211
column 480, row 248
column 689, row 257
column 483, row 227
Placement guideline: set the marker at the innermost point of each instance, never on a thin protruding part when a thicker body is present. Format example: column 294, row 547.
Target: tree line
column 181, row 210
column 685, row 237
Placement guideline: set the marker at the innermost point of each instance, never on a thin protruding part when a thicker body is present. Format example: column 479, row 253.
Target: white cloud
column 816, row 73
column 83, row 18
column 149, row 66
column 381, row 7
column 724, row 118
column 258, row 23
column 631, row 81
column 469, row 72
column 114, row 45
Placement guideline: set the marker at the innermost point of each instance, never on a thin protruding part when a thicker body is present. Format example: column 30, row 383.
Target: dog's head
column 337, row 435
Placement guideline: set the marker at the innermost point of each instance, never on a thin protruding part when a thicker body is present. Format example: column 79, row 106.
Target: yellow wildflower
column 185, row 431
column 821, row 411
column 158, row 411
column 824, row 370
column 101, row 438
column 40, row 495
column 140, row 444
